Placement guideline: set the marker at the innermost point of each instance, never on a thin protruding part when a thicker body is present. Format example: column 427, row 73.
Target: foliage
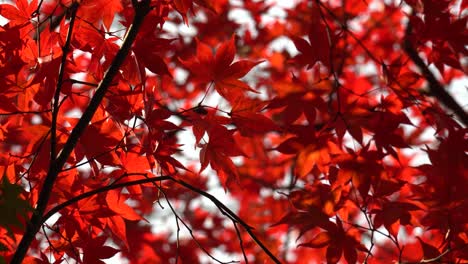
column 328, row 123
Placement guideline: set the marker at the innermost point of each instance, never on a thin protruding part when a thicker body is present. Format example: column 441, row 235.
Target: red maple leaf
column 339, row 242
column 20, row 13
column 217, row 152
column 108, row 135
column 317, row 49
column 219, row 69
column 94, row 250
column 245, row 114
column 394, row 214
column 203, row 120
column 116, row 202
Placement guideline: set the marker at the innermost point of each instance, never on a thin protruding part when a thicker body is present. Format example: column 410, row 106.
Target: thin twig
column 24, row 112
column 230, row 214
column 189, row 229
column 241, row 243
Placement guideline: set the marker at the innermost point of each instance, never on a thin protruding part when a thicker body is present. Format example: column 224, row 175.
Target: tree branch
column 55, row 107
column 85, row 195
column 435, row 87
column 224, row 209
column 141, row 10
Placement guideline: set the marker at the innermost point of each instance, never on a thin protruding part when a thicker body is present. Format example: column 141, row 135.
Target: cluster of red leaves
column 328, row 139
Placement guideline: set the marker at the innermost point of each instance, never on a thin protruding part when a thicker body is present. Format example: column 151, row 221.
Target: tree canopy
column 336, row 129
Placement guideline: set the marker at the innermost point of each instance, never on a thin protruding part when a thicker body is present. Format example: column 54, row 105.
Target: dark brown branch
column 55, row 107
column 19, row 112
column 220, row 205
column 141, row 10
column 81, row 82
column 435, row 87
column 241, row 243
column 85, row 195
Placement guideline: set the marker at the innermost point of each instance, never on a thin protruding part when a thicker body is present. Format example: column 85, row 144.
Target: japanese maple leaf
column 219, row 69
column 429, row 251
column 317, row 49
column 394, row 214
column 220, row 147
column 163, row 155
column 359, row 168
column 19, row 14
column 339, row 242
column 245, row 115
column 321, row 197
column 295, row 104
column 116, row 224
column 116, row 202
column 94, row 250
column 183, row 6
column 107, row 133
column 203, row 120
column 152, row 60
column 312, row 208
column 312, row 149
column 102, row 10
column 162, row 139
